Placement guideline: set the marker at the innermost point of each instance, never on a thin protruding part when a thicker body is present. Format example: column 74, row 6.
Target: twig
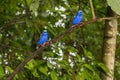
column 13, row 21
column 68, row 31
column 79, row 4
column 27, row 10
column 92, row 10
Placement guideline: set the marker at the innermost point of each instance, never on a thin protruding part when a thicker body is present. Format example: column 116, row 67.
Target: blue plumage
column 78, row 18
column 43, row 38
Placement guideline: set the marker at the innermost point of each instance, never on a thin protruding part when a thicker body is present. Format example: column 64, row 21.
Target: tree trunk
column 109, row 44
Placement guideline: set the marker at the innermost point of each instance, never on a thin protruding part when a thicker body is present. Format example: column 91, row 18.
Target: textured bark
column 109, row 44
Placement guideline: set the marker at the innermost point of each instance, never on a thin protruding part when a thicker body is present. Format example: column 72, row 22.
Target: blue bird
column 43, row 38
column 78, row 18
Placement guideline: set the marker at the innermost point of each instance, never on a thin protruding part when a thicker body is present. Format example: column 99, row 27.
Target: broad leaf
column 43, row 69
column 35, row 73
column 88, row 66
column 105, row 69
column 53, row 75
column 1, row 72
column 115, row 5
column 34, row 6
column 30, row 65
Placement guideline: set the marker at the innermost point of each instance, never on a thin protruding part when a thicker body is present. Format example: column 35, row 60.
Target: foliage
column 114, row 4
column 2, row 72
column 77, row 55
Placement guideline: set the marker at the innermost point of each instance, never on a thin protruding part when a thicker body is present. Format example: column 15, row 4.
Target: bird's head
column 45, row 32
column 79, row 13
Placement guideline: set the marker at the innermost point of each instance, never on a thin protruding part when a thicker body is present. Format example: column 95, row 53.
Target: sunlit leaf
column 79, row 76
column 69, row 71
column 53, row 75
column 88, row 66
column 63, row 63
column 71, row 49
column 34, row 6
column 28, row 2
column 115, row 5
column 1, row 72
column 49, row 65
column 43, row 69
column 104, row 68
column 9, row 69
column 20, row 76
column 30, row 64
column 34, row 72
column 52, row 30
column 97, row 77
column 88, row 54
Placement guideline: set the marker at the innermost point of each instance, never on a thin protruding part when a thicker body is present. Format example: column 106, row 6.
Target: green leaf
column 63, row 64
column 1, row 72
column 28, row 2
column 52, row 30
column 89, row 67
column 88, row 54
column 34, row 6
column 30, row 65
column 79, row 59
column 43, row 69
column 20, row 76
column 49, row 65
column 83, row 75
column 115, row 5
column 79, row 76
column 71, row 49
column 97, row 77
column 34, row 72
column 53, row 75
column 87, row 75
column 9, row 69
column 69, row 71
column 104, row 68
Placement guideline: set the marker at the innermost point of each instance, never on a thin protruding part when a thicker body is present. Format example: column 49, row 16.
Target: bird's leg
column 43, row 45
column 81, row 23
column 47, row 42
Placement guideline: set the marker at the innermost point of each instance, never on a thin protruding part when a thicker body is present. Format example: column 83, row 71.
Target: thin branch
column 27, row 10
column 14, row 21
column 68, row 31
column 92, row 10
column 79, row 5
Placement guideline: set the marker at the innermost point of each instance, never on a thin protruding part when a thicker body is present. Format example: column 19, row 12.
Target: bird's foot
column 42, row 45
column 81, row 23
column 46, row 43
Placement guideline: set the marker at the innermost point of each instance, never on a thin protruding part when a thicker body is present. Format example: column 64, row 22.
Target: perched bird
column 78, row 18
column 43, row 39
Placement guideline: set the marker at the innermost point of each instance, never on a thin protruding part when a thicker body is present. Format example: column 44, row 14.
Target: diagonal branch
column 68, row 31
